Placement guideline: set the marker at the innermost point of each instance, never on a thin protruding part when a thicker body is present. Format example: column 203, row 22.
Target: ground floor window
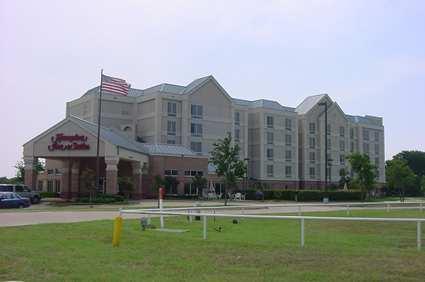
column 219, row 188
column 57, row 186
column 190, row 189
column 50, row 186
column 40, row 185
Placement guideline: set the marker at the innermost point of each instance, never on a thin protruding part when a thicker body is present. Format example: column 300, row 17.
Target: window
column 237, row 118
column 57, row 171
column 341, row 131
column 312, row 171
column 172, row 109
column 288, row 155
column 376, row 149
column 270, row 137
column 351, row 147
column 377, row 161
column 329, row 143
column 288, row 124
column 50, row 171
column 288, row 140
column 171, row 172
column 328, row 132
column 57, row 186
column 171, row 141
column 196, row 129
column 196, row 111
column 270, row 122
column 342, row 145
column 312, row 142
column 312, row 128
column 50, row 186
column 196, row 147
column 270, row 154
column 193, row 172
column 237, row 134
column 270, row 170
column 312, row 156
column 376, row 136
column 342, row 159
column 352, row 133
column 366, row 148
column 171, row 127
column 365, row 134
column 190, row 189
column 288, row 171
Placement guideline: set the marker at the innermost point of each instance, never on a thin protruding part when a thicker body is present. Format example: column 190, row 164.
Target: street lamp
column 246, row 174
column 325, row 104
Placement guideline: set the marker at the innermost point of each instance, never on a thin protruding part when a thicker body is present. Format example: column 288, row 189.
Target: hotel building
column 169, row 130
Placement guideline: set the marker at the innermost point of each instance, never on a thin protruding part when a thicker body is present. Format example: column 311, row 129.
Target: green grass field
column 254, row 250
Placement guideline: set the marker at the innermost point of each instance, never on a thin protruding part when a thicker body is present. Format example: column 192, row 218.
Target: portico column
column 137, row 179
column 111, row 175
column 29, row 172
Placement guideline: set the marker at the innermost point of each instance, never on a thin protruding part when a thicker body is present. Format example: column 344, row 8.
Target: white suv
column 21, row 190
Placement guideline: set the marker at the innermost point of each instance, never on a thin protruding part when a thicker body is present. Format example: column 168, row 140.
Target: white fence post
column 421, row 207
column 302, row 232
column 299, row 210
column 348, row 209
column 205, row 227
column 388, row 207
column 190, row 215
column 418, row 235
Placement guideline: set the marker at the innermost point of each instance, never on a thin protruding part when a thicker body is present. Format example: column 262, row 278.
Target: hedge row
column 102, row 199
column 49, row 195
column 304, row 195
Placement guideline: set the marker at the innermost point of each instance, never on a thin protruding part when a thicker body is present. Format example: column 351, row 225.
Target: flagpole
column 98, row 132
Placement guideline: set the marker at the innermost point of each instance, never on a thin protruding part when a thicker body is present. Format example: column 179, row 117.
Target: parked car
column 13, row 200
column 22, row 190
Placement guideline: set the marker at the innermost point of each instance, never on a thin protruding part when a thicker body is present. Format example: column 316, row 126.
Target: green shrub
column 49, row 195
column 102, row 199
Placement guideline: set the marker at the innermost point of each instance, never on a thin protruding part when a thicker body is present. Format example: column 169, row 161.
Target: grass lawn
column 254, row 250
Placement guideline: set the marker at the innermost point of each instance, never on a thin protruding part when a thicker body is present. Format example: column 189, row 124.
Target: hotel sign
column 62, row 142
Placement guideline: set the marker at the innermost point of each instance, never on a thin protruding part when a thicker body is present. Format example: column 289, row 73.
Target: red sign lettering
column 72, row 142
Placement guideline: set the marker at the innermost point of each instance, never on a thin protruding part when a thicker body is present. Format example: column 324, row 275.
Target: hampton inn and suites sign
column 62, row 142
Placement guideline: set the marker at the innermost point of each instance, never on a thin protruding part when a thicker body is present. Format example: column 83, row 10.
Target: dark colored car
column 13, row 200
column 23, row 191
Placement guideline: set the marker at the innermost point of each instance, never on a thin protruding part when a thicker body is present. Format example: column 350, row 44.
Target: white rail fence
column 189, row 211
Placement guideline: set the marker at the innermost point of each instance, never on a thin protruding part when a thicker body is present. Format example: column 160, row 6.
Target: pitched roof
column 263, row 103
column 309, row 103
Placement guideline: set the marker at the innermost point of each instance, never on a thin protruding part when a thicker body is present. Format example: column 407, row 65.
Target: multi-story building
column 283, row 146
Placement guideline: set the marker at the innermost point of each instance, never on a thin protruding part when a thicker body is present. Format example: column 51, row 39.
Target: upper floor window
column 365, row 134
column 270, row 154
column 288, row 155
column 237, row 134
column 270, row 171
column 377, row 161
column 172, row 109
column 196, row 111
column 196, row 147
column 270, row 122
column 171, row 141
column 329, row 144
column 329, row 130
column 196, row 129
column 342, row 145
column 288, row 124
column 312, row 172
column 237, row 118
column 366, row 148
column 376, row 136
column 288, row 140
column 171, row 172
column 352, row 133
column 312, row 142
column 312, row 157
column 312, row 128
column 342, row 159
column 288, row 171
column 376, row 149
column 342, row 131
column 171, row 127
column 270, row 138
column 351, row 147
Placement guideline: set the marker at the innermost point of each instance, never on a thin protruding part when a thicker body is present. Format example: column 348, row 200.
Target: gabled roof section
column 309, row 103
column 263, row 103
column 198, row 83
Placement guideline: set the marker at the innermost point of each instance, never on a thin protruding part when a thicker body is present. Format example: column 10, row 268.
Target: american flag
column 115, row 85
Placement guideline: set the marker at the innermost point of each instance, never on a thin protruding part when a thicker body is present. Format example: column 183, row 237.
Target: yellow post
column 116, row 237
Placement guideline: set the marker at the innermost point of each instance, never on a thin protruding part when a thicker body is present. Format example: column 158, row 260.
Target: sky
column 369, row 56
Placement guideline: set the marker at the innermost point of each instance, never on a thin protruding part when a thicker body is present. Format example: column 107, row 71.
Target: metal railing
column 189, row 213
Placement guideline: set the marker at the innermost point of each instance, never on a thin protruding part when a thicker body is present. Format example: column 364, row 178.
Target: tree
column 414, row 159
column 38, row 167
column 365, row 172
column 225, row 158
column 125, row 185
column 88, row 179
column 423, row 185
column 400, row 177
column 171, row 184
column 199, row 182
column 344, row 177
